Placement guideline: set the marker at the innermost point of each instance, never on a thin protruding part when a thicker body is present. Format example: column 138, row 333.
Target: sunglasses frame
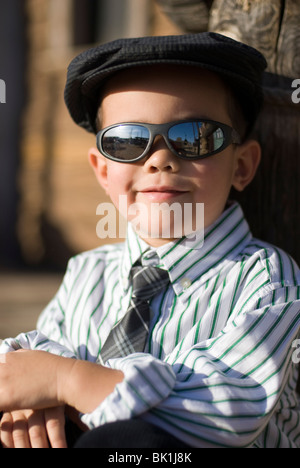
column 231, row 136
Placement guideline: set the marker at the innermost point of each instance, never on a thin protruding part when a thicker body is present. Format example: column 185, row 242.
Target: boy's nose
column 160, row 158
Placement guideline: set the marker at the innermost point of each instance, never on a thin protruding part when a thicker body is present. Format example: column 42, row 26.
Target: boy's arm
column 38, row 380
column 222, row 392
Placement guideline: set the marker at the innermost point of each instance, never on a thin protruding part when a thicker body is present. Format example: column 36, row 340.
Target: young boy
column 172, row 117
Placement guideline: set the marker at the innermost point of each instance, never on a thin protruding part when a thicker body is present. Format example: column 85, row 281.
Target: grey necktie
column 129, row 335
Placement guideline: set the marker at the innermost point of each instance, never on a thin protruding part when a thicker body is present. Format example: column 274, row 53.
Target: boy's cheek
column 119, row 182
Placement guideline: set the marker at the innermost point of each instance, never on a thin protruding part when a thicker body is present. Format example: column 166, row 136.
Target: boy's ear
column 247, row 162
column 99, row 165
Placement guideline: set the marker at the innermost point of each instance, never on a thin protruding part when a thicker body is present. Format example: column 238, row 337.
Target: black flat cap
column 240, row 65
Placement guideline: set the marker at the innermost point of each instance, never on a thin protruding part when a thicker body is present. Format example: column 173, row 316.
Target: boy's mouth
column 162, row 193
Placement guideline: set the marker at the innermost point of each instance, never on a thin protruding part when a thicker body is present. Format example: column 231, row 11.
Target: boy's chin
column 162, row 223
column 160, row 235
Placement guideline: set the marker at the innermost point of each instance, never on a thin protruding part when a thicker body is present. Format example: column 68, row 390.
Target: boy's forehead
column 163, row 92
column 161, row 78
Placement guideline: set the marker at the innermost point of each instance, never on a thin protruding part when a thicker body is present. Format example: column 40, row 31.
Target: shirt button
column 185, row 283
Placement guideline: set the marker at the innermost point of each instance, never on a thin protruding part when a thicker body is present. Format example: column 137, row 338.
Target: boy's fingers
column 14, row 430
column 29, row 429
column 55, row 425
column 36, row 430
column 6, row 431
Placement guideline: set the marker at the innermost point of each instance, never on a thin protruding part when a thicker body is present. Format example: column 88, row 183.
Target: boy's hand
column 28, row 379
column 39, row 380
column 34, row 429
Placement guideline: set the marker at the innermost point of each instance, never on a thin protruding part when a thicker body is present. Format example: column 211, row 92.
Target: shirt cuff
column 35, row 340
column 147, row 382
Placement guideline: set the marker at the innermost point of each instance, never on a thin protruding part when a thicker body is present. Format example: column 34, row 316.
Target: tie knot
column 148, row 281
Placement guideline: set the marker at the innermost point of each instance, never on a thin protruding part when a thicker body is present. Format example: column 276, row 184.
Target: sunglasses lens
column 196, row 139
column 125, row 142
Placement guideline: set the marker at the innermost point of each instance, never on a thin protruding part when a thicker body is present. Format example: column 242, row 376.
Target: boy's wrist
column 64, row 373
column 84, row 385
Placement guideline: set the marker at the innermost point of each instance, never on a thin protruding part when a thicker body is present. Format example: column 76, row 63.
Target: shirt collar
column 191, row 263
column 134, row 248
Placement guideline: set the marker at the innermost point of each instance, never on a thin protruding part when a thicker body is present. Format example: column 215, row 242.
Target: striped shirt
column 219, row 369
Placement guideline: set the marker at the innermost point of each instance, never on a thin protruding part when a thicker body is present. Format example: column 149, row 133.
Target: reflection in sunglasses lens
column 126, row 141
column 192, row 139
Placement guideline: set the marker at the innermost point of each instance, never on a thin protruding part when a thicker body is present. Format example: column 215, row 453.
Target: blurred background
column 48, row 193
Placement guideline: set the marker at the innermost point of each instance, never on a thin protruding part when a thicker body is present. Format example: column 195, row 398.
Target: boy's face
column 158, row 95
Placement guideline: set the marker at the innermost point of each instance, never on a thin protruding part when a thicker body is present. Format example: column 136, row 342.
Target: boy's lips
column 162, row 193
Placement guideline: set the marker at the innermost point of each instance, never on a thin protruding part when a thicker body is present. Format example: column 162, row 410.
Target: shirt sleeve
column 37, row 341
column 221, row 392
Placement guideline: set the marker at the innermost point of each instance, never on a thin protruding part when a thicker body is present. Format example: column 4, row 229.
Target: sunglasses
column 187, row 139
